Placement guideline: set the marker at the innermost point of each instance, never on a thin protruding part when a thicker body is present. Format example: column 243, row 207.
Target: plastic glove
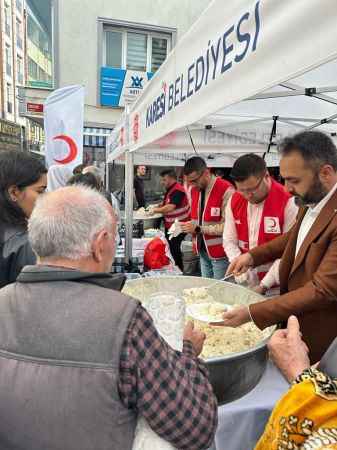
column 241, row 279
column 248, row 279
column 150, row 211
column 175, row 229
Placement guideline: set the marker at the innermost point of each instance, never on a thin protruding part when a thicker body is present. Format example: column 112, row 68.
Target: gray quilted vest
column 61, row 335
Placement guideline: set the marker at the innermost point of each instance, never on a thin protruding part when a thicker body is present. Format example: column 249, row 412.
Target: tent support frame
column 129, row 170
column 129, row 167
column 294, row 91
column 272, row 135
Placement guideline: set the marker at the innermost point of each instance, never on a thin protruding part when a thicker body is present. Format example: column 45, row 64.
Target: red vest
column 211, row 216
column 272, row 220
column 182, row 211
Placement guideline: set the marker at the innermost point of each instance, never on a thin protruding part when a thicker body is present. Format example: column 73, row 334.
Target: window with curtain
column 159, row 52
column 114, row 45
column 136, row 55
column 135, row 50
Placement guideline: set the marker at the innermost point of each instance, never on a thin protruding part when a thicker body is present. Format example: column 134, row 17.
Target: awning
column 250, row 49
column 95, row 137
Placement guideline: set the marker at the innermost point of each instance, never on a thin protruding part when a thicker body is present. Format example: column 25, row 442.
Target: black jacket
column 138, row 184
column 15, row 252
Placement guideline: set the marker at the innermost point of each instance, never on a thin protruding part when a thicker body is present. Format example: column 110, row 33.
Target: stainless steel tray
column 232, row 375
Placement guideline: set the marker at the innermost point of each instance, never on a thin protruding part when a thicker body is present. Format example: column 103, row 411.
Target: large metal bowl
column 235, row 374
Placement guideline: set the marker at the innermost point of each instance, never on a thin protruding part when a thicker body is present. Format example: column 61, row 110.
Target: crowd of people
column 80, row 361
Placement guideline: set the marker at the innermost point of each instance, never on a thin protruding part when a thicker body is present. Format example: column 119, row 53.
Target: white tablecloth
column 241, row 423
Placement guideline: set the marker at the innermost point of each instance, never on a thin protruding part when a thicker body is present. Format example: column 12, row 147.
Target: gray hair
column 64, row 223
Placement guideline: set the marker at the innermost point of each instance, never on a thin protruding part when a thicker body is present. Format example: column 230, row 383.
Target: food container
column 234, row 374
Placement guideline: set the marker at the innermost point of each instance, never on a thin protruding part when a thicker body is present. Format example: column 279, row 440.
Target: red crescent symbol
column 273, row 221
column 72, row 149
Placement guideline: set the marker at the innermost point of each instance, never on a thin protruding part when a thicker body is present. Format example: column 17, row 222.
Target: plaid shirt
column 169, row 388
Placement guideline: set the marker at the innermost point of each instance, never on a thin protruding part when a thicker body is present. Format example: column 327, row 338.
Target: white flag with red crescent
column 63, row 124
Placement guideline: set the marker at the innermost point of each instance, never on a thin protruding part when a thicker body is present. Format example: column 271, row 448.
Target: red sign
column 136, row 127
column 35, row 107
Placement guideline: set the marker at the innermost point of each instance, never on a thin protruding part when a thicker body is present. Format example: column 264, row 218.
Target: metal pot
column 232, row 375
column 235, row 375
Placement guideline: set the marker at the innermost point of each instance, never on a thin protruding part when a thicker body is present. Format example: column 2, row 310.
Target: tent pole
column 302, row 119
column 314, row 92
column 129, row 161
column 107, row 181
column 294, row 124
column 294, row 91
column 272, row 135
column 322, row 122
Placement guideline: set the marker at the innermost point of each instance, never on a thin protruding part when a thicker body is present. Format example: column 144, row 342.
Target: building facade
column 39, row 69
column 113, row 50
column 12, row 71
column 39, row 46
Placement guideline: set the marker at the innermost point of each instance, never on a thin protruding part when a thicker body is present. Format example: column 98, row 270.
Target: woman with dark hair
column 22, row 179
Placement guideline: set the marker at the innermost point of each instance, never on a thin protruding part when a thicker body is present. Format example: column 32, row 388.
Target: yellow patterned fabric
column 306, row 416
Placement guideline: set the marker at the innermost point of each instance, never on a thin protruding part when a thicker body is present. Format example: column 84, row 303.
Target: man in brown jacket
column 308, row 270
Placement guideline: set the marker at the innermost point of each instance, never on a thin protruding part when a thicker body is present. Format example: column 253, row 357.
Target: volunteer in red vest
column 175, row 206
column 209, row 197
column 258, row 212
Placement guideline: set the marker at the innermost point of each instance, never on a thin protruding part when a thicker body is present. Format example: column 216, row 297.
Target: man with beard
column 209, row 197
column 138, row 185
column 308, row 269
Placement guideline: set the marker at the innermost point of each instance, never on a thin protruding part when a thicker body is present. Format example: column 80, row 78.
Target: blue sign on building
column 118, row 85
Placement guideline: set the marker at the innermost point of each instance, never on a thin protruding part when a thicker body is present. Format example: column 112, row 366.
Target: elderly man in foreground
column 79, row 361
column 306, row 416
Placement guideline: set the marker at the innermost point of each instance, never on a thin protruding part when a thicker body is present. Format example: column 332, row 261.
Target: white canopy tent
column 246, row 50
column 219, row 148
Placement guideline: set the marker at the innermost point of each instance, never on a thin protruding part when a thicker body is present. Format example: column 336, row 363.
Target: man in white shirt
column 209, row 197
column 308, row 269
column 258, row 212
